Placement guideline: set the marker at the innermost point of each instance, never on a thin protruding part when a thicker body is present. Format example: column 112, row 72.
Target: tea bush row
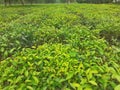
column 60, row 47
column 58, row 66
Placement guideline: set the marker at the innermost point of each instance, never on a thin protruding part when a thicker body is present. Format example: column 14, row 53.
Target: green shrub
column 112, row 34
column 57, row 66
column 60, row 47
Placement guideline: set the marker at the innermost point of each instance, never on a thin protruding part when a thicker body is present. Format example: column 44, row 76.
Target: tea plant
column 57, row 66
column 60, row 47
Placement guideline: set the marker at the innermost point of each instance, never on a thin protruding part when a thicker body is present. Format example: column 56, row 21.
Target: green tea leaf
column 26, row 73
column 35, row 79
column 70, row 75
column 117, row 87
column 75, row 85
column 93, row 83
column 2, row 49
column 30, row 88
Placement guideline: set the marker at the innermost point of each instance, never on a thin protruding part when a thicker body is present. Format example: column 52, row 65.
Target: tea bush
column 57, row 66
column 60, row 47
column 112, row 34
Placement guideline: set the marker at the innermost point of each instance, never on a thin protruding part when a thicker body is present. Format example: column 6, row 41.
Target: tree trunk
column 68, row 1
column 9, row 1
column 5, row 2
column 22, row 2
column 31, row 2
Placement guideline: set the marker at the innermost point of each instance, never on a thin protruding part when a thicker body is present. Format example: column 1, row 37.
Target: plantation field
column 60, row 47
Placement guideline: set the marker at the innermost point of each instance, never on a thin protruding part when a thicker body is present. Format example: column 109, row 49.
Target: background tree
column 9, row 2
column 22, row 2
column 94, row 1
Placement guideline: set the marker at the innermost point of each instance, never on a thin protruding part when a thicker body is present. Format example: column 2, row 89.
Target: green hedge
column 60, row 47
column 57, row 66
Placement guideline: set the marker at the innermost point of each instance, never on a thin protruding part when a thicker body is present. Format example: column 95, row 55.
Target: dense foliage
column 95, row 1
column 60, row 47
column 10, row 2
